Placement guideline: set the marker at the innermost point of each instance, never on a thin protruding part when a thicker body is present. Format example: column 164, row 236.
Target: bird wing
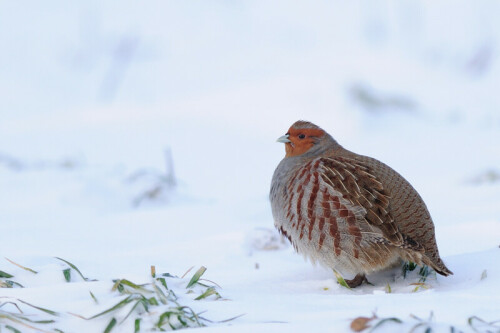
column 361, row 188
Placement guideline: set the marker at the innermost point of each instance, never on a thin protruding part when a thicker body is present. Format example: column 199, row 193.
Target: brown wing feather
column 362, row 189
column 409, row 212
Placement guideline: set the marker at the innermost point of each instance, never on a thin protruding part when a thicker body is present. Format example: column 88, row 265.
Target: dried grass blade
column 21, row 266
column 19, row 322
column 153, row 271
column 183, row 275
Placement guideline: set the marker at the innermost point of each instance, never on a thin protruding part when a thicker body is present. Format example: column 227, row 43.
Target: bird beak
column 284, row 139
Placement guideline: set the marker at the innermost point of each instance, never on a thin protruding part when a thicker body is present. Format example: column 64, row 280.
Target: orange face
column 301, row 140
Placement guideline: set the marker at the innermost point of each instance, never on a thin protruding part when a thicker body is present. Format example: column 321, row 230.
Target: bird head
column 304, row 137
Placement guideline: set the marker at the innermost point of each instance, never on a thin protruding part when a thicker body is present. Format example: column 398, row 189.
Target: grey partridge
column 349, row 212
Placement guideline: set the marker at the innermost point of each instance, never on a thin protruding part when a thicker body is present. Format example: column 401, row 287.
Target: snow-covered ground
column 101, row 102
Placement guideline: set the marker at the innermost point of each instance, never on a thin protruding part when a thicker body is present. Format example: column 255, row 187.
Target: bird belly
column 321, row 249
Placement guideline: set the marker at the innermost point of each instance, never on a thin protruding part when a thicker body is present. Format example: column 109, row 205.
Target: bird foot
column 357, row 281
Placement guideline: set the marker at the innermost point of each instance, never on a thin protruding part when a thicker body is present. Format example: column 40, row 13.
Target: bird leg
column 357, row 281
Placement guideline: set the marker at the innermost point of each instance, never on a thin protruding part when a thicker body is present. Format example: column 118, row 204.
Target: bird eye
column 301, row 136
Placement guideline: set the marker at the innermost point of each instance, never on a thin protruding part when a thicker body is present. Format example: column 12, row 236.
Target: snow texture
column 143, row 133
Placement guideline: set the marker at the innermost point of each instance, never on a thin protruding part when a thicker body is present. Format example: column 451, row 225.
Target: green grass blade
column 12, row 303
column 163, row 282
column 129, row 284
column 230, row 319
column 183, row 323
column 14, row 283
column 382, row 321
column 137, row 325
column 414, row 328
column 39, row 308
column 168, row 275
column 93, row 297
column 67, row 274
column 424, row 273
column 161, row 295
column 209, row 292
column 195, row 316
column 161, row 319
column 74, row 267
column 145, row 303
column 140, row 301
column 110, row 326
column 133, row 285
column 43, row 321
column 5, row 275
column 341, row 280
column 475, row 321
column 196, row 277
column 19, row 319
column 120, row 304
column 118, row 286
column 12, row 329
column 408, row 266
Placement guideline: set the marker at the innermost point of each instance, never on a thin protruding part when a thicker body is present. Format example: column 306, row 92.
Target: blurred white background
column 113, row 84
column 92, row 93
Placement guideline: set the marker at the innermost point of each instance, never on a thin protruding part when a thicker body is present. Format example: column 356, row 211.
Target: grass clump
column 152, row 306
column 417, row 324
column 423, row 274
column 17, row 320
column 156, row 305
column 407, row 267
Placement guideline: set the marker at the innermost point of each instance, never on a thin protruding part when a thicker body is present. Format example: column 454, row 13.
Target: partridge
column 349, row 212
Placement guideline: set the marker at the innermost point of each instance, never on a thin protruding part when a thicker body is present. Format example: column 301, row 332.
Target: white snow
column 94, row 93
